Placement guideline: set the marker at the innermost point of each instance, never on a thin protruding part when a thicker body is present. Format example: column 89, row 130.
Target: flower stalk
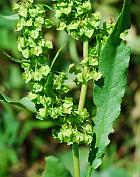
column 75, row 147
column 76, row 163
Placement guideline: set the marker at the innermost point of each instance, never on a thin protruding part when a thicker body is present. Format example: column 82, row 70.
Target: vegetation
column 57, row 91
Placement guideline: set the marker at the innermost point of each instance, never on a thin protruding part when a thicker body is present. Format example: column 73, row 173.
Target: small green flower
column 21, row 43
column 95, row 75
column 16, row 6
column 68, row 105
column 23, row 11
column 26, row 53
column 33, row 12
column 41, row 113
column 38, row 22
column 31, row 42
column 73, row 25
column 37, row 50
column 40, row 9
column 27, row 76
column 32, row 95
column 56, row 112
column 37, row 76
column 87, row 6
column 41, row 43
column 48, row 44
column 29, row 22
column 89, row 33
column 37, row 87
column 44, row 70
column 34, row 34
column 20, row 24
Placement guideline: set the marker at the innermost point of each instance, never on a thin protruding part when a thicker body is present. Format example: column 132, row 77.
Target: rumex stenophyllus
column 55, row 106
column 74, row 122
column 74, row 126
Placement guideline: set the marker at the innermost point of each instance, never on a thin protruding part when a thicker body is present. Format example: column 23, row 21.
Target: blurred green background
column 25, row 141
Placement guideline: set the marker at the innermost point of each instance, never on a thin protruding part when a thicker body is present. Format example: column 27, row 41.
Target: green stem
column 84, row 86
column 89, row 171
column 76, row 163
column 75, row 147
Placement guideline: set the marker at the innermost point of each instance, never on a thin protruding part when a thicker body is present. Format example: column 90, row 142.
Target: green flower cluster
column 48, row 88
column 76, row 17
column 87, row 69
column 31, row 41
column 68, row 132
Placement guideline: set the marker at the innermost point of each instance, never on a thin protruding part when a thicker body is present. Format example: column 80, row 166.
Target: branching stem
column 75, row 147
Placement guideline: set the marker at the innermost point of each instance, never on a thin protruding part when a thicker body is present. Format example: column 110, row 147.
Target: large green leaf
column 55, row 168
column 23, row 103
column 8, row 21
column 113, row 64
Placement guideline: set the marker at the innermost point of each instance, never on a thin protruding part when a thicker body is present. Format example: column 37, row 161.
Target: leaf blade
column 113, row 64
column 55, row 168
column 22, row 103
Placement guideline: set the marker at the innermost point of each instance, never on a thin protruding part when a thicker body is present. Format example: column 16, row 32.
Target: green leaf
column 54, row 168
column 8, row 21
column 23, row 103
column 113, row 64
column 10, row 125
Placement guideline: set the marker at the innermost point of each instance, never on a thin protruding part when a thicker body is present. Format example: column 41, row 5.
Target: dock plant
column 105, row 62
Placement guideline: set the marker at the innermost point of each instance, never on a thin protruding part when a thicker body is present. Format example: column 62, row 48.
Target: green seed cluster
column 48, row 89
column 76, row 18
column 87, row 69
column 31, row 43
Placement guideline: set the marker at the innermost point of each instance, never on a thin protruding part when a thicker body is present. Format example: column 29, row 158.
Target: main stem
column 75, row 147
